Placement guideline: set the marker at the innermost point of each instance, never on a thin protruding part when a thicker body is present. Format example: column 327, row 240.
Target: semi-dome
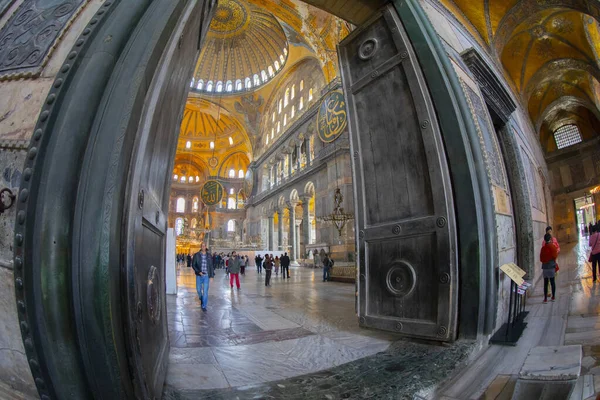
column 245, row 48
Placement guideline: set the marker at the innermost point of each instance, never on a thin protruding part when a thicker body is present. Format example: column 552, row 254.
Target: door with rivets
column 405, row 222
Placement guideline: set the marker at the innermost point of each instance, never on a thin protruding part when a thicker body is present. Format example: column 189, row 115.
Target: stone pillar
column 297, row 149
column 292, row 233
column 289, row 156
column 307, row 150
column 280, row 228
column 306, row 220
column 271, row 232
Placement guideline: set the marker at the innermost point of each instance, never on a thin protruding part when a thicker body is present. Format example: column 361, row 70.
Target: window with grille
column 566, row 136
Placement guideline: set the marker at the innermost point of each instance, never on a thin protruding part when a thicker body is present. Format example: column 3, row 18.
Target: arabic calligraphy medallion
column 212, row 193
column 332, row 117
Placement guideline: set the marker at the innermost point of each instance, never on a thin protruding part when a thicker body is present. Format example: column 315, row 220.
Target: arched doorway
column 103, row 330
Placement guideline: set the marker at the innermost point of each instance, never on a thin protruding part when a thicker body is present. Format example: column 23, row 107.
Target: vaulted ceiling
column 548, row 48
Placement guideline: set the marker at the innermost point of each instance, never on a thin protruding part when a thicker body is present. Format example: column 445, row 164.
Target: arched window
column 567, row 135
column 277, row 66
column 248, row 83
column 267, row 140
column 287, row 97
column 175, row 177
column 219, row 88
column 188, row 145
column 197, row 178
column 209, row 86
column 278, row 126
column 180, row 208
column 194, row 223
column 302, row 85
column 273, row 119
column 272, row 133
column 232, row 173
column 264, row 76
column 192, row 83
column 200, row 85
column 285, row 51
column 293, row 111
column 231, row 203
column 256, row 80
column 229, row 86
column 179, row 226
column 271, row 73
column 238, row 84
column 280, row 106
column 293, row 92
column 282, row 58
column 182, row 179
column 231, row 226
column 310, row 95
column 195, row 203
column 231, row 190
column 212, row 145
column 284, row 119
column 301, row 106
column 191, row 179
column 241, row 173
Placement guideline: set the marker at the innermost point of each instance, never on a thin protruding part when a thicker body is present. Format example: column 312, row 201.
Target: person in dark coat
column 258, row 260
column 285, row 266
column 189, row 260
column 268, row 266
column 205, row 272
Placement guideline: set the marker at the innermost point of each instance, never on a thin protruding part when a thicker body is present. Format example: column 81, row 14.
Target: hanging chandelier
column 339, row 218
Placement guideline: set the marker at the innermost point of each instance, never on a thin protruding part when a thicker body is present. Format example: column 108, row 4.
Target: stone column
column 306, row 220
column 297, row 150
column 292, row 233
column 271, row 232
column 289, row 156
column 280, row 227
column 307, row 150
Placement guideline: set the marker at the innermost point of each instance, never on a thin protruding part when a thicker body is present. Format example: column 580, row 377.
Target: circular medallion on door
column 153, row 295
column 401, row 279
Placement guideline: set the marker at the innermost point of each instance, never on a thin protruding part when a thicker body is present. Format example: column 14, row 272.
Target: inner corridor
column 299, row 339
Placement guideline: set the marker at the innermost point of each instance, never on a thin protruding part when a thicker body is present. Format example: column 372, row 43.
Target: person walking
column 554, row 242
column 285, row 266
column 189, row 260
column 243, row 264
column 268, row 266
column 235, row 266
column 548, row 255
column 327, row 265
column 594, row 243
column 277, row 264
column 205, row 272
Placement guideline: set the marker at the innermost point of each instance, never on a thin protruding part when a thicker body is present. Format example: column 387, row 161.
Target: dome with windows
column 245, row 48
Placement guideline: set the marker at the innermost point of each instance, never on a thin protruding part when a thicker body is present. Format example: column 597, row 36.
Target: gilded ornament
column 212, row 193
column 332, row 118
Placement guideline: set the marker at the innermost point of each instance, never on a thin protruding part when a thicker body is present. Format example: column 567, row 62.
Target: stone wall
column 23, row 88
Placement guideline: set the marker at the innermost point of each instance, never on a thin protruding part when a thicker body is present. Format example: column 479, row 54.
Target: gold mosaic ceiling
column 242, row 42
column 548, row 48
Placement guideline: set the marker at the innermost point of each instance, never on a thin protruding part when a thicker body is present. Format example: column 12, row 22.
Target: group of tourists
column 270, row 263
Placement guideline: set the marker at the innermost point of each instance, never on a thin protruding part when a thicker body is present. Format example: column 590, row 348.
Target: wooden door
column 405, row 222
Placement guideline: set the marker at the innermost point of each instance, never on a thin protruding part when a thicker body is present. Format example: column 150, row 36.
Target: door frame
column 46, row 272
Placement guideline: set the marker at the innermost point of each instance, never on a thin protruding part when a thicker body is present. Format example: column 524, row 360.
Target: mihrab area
column 287, row 199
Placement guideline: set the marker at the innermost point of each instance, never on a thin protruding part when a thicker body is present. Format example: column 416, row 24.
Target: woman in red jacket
column 548, row 256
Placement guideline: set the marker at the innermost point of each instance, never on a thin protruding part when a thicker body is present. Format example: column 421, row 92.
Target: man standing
column 205, row 272
column 189, row 260
column 235, row 265
column 285, row 266
column 268, row 265
column 258, row 260
column 327, row 265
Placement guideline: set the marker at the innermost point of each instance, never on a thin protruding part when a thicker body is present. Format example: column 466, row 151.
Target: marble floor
column 299, row 339
column 260, row 334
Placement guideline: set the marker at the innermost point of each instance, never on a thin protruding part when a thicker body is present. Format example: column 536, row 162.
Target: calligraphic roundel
column 332, row 117
column 212, row 193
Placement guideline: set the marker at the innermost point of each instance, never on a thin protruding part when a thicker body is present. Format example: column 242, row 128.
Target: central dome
column 245, row 48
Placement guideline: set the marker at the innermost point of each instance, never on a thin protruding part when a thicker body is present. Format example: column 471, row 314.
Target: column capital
column 291, row 205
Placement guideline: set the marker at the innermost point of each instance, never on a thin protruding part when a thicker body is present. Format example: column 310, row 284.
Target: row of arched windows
column 191, row 179
column 238, row 85
column 289, row 98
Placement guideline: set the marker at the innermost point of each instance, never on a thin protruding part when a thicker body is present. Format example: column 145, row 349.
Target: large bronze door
column 405, row 221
